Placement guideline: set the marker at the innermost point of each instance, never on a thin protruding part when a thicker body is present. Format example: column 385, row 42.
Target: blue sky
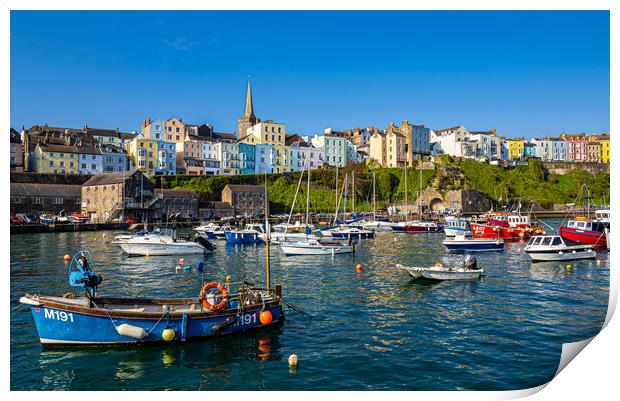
column 524, row 73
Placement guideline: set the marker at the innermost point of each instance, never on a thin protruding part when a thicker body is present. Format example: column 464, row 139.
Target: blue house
column 166, row 158
column 265, row 161
column 247, row 158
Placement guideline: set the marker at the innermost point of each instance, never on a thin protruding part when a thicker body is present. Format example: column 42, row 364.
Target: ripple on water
column 374, row 330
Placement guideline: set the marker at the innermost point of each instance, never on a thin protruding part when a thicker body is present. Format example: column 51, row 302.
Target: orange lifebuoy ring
column 203, row 296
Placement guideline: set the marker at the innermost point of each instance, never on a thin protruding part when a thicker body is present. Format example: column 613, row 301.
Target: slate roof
column 45, row 190
column 246, row 188
column 177, row 193
column 109, row 178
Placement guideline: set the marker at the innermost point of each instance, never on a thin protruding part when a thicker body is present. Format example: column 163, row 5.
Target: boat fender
column 29, row 301
column 224, row 323
column 129, row 330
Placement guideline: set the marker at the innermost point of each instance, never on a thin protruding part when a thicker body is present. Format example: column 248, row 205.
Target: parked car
column 28, row 218
column 16, row 220
column 78, row 218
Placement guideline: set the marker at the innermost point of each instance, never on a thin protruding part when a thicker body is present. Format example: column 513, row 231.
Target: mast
column 584, row 189
column 336, row 192
column 267, row 239
column 308, row 199
column 406, row 201
column 374, row 198
column 352, row 193
column 420, row 198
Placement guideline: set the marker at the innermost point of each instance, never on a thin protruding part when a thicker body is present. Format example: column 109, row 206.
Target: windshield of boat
column 546, row 241
column 556, row 241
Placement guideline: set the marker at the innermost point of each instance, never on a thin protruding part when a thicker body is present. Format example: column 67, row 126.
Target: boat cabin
column 457, row 223
column 546, row 240
column 255, row 227
column 582, row 224
column 603, row 215
column 519, row 221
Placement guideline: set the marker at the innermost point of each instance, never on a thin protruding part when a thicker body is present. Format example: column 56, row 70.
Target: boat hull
column 67, row 327
column 554, row 255
column 234, row 238
column 161, row 249
column 298, row 250
column 507, row 233
column 456, row 275
column 474, row 245
column 583, row 236
column 422, row 229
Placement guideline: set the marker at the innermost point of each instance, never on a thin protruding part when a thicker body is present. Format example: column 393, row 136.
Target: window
column 16, row 199
column 51, row 163
column 62, row 155
column 62, row 164
column 37, row 201
column 178, row 138
column 93, row 166
column 178, row 130
column 58, row 200
column 13, row 149
column 71, row 164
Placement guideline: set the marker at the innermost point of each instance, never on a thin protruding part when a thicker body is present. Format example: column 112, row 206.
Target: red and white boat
column 586, row 231
column 506, row 226
column 422, row 227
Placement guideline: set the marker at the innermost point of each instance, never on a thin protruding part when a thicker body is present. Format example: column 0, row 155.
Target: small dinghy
column 469, row 270
column 462, row 244
column 554, row 247
column 74, row 319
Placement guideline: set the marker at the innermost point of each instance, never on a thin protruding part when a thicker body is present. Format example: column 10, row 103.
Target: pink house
column 17, row 153
column 576, row 147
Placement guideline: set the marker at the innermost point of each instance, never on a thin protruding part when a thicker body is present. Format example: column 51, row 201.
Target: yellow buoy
column 568, row 267
column 167, row 334
column 293, row 360
column 228, row 279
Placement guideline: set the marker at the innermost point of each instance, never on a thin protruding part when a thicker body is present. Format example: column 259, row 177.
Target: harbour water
column 374, row 330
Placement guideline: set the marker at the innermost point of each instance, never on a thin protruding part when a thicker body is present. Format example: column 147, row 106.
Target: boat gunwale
column 120, row 314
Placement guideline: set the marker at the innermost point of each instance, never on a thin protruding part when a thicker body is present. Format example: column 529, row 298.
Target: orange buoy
column 358, row 267
column 182, row 261
column 67, row 258
column 266, row 317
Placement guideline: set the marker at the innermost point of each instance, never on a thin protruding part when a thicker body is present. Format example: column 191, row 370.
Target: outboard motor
column 205, row 243
column 81, row 275
column 471, row 263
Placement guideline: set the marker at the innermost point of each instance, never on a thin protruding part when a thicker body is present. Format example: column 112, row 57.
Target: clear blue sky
column 524, row 73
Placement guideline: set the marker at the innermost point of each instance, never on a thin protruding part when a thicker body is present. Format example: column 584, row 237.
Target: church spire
column 249, row 107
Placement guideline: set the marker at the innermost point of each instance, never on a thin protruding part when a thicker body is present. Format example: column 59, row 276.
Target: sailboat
column 311, row 244
column 420, row 226
column 374, row 224
column 343, row 231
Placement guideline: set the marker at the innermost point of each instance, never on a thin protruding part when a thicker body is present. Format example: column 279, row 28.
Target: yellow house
column 283, row 159
column 516, row 148
column 56, row 159
column 604, row 150
column 266, row 132
column 143, row 154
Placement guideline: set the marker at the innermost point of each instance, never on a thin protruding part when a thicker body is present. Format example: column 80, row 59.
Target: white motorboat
column 286, row 237
column 314, row 247
column 164, row 243
column 455, row 227
column 469, row 270
column 556, row 248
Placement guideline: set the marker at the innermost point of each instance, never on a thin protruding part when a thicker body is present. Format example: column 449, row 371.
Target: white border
column 592, row 375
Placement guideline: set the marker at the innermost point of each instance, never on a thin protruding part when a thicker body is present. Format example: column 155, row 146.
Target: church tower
column 248, row 119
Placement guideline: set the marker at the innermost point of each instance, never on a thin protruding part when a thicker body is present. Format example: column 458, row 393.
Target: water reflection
column 370, row 329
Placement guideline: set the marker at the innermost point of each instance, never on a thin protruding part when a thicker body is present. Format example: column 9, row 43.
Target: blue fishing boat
column 462, row 244
column 90, row 320
column 249, row 235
